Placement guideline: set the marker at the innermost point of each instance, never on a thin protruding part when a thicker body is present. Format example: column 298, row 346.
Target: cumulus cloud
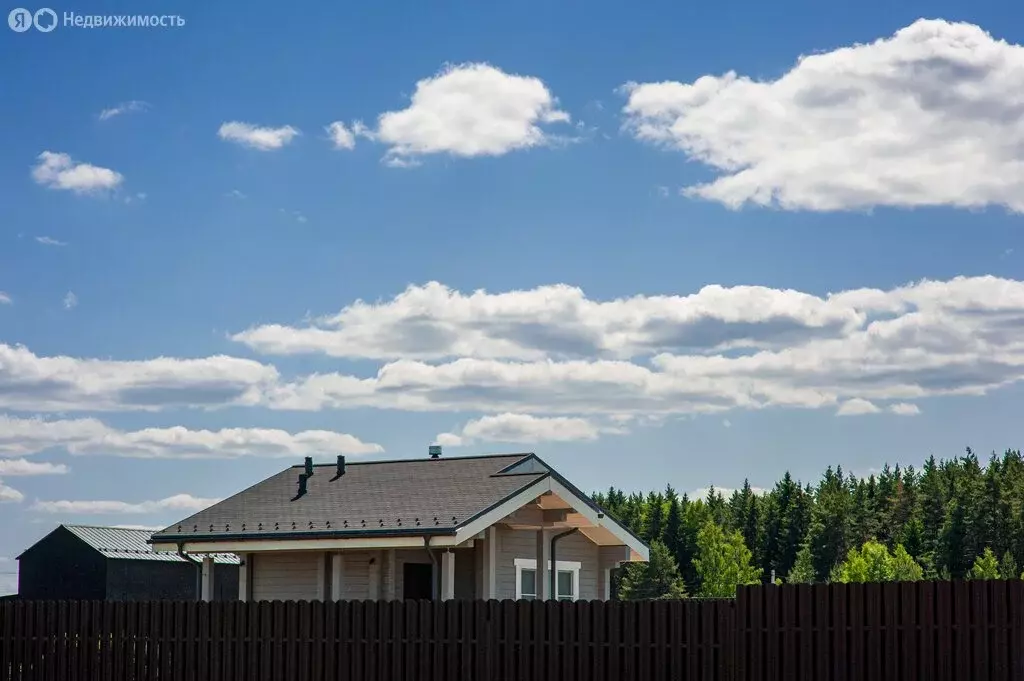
column 49, row 241
column 178, row 502
column 59, row 171
column 341, row 136
column 13, row 467
column 904, row 409
column 257, row 137
column 9, row 494
column 29, row 382
column 522, row 428
column 468, row 110
column 89, row 436
column 70, row 301
column 552, row 351
column 133, row 106
column 929, row 116
column 434, row 322
column 856, row 407
column 5, row 299
column 929, row 338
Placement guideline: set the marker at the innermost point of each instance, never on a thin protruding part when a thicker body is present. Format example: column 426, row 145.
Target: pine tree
column 802, row 571
column 657, row 579
column 1008, row 566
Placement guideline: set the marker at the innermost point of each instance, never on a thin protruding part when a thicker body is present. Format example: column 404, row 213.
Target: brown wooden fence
column 964, row 631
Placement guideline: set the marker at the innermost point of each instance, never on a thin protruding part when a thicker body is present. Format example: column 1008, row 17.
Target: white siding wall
column 514, row 544
column 285, row 576
column 355, row 582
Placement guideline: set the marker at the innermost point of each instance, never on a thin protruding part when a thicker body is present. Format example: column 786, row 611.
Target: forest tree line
column 952, row 519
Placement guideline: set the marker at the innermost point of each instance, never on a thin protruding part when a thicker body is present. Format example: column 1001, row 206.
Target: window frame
column 569, row 566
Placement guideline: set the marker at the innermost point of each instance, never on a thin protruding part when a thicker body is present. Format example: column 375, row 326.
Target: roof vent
column 309, row 466
column 435, row 451
column 341, row 468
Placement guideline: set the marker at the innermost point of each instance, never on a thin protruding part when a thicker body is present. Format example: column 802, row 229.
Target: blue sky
column 167, row 276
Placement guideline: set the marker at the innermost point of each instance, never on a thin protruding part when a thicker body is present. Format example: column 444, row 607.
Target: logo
column 45, row 20
column 21, row 19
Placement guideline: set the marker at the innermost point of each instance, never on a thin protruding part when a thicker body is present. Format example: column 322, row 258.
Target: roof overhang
column 598, row 526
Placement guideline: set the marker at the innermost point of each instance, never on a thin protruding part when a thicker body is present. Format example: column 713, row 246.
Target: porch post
column 606, row 584
column 543, row 559
column 374, row 576
column 490, row 548
column 337, row 575
column 244, row 575
column 207, row 578
column 390, row 593
column 448, row 575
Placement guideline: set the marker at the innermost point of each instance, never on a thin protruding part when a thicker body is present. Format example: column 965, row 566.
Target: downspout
column 554, row 561
column 199, row 570
column 434, row 573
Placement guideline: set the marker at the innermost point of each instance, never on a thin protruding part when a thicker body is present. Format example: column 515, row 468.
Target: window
column 567, row 584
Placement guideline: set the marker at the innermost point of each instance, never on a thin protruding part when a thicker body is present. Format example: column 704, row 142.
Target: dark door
column 417, row 581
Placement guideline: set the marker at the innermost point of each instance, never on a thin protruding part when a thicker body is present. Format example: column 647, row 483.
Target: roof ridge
column 417, row 460
column 108, row 527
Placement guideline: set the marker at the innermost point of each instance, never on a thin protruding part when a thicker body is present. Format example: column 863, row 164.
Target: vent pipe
column 434, row 451
column 341, row 468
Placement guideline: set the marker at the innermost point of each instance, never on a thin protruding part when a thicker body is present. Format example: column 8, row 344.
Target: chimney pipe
column 302, row 486
column 341, row 468
column 434, row 451
column 309, row 466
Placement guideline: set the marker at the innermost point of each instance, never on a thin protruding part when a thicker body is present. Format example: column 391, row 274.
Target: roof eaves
column 337, row 534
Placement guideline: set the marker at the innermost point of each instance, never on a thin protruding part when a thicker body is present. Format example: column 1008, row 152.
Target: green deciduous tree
column 986, row 566
column 723, row 562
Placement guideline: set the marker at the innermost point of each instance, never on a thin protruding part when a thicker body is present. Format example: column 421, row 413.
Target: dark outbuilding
column 83, row 562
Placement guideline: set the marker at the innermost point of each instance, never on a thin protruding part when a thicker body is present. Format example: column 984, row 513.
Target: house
column 476, row 527
column 82, row 562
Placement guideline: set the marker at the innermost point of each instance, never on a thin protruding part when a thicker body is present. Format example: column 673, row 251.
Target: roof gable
column 120, row 543
column 404, row 497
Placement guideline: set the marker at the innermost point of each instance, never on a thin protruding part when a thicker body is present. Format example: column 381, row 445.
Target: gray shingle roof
column 394, row 497
column 127, row 544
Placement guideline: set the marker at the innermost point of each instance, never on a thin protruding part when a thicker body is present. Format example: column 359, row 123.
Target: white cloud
column 927, row 117
column 256, row 137
column 236, row 194
column 49, row 241
column 59, row 171
column 341, row 136
column 5, row 299
column 21, row 436
column 522, row 428
column 727, row 423
column 929, row 338
column 32, row 383
column 133, row 106
column 468, row 110
column 726, row 492
column 9, row 494
column 904, row 409
column 856, row 407
column 178, row 502
column 12, row 467
column 434, row 321
column 70, row 301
